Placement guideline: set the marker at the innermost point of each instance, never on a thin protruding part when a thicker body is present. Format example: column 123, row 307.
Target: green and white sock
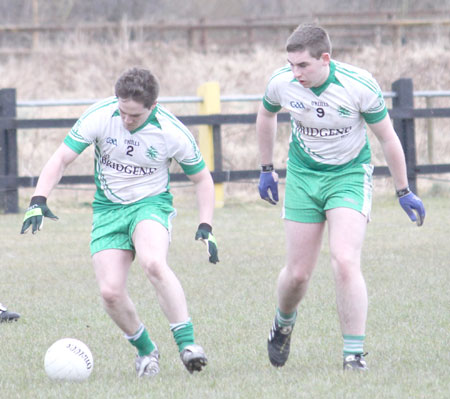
column 286, row 319
column 183, row 333
column 353, row 344
column 141, row 341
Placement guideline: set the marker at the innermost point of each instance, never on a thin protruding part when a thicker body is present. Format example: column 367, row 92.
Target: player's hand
column 34, row 216
column 204, row 233
column 268, row 181
column 413, row 206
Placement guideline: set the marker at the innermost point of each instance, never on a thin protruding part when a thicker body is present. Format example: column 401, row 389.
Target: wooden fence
column 403, row 114
column 348, row 30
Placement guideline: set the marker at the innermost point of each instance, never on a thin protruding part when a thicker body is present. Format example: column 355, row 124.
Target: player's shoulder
column 344, row 68
column 163, row 112
column 283, row 74
column 355, row 77
column 167, row 121
column 164, row 116
column 106, row 106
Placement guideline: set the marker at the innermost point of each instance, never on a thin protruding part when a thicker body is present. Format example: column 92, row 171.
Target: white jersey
column 130, row 166
column 328, row 122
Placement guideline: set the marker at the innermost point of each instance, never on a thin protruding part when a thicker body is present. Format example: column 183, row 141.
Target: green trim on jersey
column 101, row 203
column 270, row 107
column 357, row 77
column 77, row 146
column 374, row 118
column 150, row 120
column 177, row 123
column 97, row 106
column 100, row 182
column 280, row 71
column 267, row 104
column 331, row 79
column 297, row 156
column 193, row 169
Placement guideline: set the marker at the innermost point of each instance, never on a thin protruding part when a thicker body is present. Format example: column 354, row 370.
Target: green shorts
column 310, row 193
column 114, row 227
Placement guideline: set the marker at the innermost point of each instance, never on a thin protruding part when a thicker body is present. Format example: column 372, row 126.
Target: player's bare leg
column 304, row 241
column 111, row 268
column 303, row 247
column 151, row 241
column 347, row 229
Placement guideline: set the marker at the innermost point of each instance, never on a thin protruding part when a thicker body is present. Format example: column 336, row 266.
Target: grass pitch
column 48, row 278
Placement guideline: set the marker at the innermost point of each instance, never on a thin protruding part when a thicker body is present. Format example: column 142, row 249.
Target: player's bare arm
column 53, row 170
column 395, row 159
column 266, row 128
column 392, row 150
column 49, row 178
column 204, row 187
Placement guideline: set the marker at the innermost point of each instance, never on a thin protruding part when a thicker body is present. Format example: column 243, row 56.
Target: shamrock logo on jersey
column 152, row 153
column 380, row 99
column 343, row 112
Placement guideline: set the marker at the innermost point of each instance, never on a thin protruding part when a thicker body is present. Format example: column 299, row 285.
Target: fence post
column 209, row 136
column 430, row 133
column 405, row 127
column 9, row 198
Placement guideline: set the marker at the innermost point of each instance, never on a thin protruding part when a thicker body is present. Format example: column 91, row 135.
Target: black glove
column 204, row 233
column 34, row 216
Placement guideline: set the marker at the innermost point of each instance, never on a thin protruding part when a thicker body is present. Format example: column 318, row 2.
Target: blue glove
column 268, row 182
column 413, row 206
column 34, row 216
column 204, row 233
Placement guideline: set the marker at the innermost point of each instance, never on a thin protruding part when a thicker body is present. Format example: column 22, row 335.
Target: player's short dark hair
column 138, row 84
column 309, row 37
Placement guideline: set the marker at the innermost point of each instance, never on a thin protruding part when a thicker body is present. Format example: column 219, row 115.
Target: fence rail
column 403, row 114
column 347, row 29
column 199, row 99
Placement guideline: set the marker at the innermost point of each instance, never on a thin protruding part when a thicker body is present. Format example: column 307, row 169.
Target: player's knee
column 345, row 266
column 299, row 276
column 154, row 269
column 111, row 294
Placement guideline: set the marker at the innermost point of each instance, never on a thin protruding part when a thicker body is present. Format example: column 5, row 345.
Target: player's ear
column 326, row 58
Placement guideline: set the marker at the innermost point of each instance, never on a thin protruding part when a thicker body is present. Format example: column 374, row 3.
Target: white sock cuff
column 137, row 334
column 176, row 326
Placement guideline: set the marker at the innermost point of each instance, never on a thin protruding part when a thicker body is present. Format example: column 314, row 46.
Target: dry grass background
column 78, row 70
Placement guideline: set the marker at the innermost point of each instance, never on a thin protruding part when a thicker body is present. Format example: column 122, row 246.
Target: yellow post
column 210, row 92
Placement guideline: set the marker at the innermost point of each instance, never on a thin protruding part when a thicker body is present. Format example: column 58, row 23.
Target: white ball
column 68, row 359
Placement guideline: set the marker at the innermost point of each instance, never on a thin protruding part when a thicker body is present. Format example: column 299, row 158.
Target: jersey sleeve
column 183, row 148
column 86, row 129
column 78, row 137
column 272, row 98
column 373, row 107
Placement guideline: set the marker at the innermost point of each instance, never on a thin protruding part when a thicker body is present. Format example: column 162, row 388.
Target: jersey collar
column 331, row 79
column 150, row 120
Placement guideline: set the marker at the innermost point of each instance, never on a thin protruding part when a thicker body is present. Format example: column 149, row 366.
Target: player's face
column 309, row 71
column 133, row 114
